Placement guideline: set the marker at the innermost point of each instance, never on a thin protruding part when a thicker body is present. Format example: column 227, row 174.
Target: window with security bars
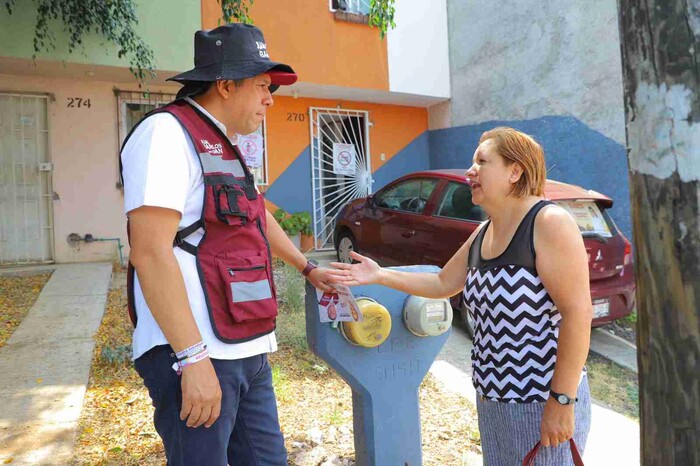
column 132, row 106
column 358, row 7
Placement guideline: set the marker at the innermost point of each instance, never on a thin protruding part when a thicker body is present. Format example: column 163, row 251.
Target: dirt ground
column 18, row 292
column 315, row 404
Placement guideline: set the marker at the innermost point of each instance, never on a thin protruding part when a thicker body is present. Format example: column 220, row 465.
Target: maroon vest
column 233, row 258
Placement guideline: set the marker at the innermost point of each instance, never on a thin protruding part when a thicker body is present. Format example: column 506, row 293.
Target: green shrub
column 306, row 223
column 294, row 224
column 279, row 215
column 291, row 225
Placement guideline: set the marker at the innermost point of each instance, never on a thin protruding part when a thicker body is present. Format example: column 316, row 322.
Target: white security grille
column 331, row 191
column 132, row 106
column 26, row 193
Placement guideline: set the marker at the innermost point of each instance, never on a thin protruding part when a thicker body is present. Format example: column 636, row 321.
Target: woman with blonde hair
column 524, row 276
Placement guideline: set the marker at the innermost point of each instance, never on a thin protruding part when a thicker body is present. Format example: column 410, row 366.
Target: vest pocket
column 231, row 204
column 249, row 291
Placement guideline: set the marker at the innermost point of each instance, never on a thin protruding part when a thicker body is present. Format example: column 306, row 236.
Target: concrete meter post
column 383, row 359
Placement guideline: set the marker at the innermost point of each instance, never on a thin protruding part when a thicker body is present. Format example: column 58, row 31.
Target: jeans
column 247, row 433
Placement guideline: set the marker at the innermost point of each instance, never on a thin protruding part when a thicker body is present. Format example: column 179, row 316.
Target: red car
column 424, row 217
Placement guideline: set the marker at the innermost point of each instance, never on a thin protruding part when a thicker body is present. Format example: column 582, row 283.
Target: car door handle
column 408, row 234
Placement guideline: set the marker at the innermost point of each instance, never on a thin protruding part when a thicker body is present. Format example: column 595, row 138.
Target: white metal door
column 26, row 214
column 331, row 191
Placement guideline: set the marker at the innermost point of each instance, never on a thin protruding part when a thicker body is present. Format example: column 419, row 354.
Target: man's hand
column 321, row 279
column 557, row 423
column 201, row 394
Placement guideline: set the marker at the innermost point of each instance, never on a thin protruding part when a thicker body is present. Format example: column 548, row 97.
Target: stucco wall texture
column 551, row 69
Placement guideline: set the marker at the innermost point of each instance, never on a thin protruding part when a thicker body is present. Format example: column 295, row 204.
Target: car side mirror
column 371, row 201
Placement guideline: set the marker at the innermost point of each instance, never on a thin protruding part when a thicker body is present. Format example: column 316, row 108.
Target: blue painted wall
column 412, row 158
column 575, row 154
column 292, row 189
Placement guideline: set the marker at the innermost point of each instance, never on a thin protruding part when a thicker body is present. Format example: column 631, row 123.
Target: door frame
column 360, row 184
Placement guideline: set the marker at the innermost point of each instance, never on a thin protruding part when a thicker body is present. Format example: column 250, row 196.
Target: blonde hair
column 520, row 148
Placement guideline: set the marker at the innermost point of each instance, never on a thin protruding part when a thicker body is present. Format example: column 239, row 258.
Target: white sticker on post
column 338, row 306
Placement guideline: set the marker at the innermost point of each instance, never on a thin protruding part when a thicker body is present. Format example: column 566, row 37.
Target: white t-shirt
column 161, row 169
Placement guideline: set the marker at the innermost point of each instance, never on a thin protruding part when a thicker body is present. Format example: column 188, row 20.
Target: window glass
column 457, row 203
column 408, row 196
column 588, row 217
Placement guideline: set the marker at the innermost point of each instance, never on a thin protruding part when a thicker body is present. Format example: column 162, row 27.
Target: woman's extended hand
column 365, row 272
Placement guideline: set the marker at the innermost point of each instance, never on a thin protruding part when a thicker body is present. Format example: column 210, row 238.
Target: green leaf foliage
column 236, row 11
column 381, row 15
column 114, row 20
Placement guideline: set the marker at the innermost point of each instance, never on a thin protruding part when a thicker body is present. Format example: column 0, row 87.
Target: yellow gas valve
column 374, row 328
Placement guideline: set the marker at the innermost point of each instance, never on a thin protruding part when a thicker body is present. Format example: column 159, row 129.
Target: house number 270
column 77, row 102
column 296, row 117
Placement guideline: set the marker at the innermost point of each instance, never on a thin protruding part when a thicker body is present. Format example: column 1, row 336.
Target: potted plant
column 298, row 227
column 307, row 232
column 290, row 225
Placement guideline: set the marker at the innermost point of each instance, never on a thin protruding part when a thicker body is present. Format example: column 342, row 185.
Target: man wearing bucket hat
column 200, row 284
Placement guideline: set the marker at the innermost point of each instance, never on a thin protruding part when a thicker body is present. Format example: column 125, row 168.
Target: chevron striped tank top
column 515, row 320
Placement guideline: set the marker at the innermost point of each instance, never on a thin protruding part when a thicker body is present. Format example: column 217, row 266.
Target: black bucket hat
column 232, row 51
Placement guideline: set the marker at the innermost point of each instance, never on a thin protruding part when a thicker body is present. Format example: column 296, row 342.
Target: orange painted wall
column 394, row 127
column 305, row 35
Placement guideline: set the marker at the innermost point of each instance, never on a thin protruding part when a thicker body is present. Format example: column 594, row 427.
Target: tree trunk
column 660, row 44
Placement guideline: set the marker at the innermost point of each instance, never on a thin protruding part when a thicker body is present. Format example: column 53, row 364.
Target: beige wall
column 84, row 150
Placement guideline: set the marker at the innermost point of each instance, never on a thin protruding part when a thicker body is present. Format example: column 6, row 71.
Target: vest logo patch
column 213, row 149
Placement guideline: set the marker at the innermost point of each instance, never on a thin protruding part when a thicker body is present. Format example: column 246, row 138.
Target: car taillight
column 628, row 252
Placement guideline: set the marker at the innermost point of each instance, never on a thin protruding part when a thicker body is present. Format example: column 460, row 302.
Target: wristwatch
column 562, row 399
column 309, row 267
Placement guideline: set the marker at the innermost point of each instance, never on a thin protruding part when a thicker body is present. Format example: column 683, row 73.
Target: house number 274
column 78, row 102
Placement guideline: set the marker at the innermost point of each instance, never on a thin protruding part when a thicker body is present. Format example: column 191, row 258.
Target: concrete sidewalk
column 614, row 439
column 614, row 348
column 45, row 366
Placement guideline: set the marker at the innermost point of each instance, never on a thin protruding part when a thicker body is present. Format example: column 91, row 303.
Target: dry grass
column 116, row 425
column 18, row 292
column 613, row 386
column 304, row 385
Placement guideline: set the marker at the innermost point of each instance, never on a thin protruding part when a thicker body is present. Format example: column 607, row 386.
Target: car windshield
column 588, row 216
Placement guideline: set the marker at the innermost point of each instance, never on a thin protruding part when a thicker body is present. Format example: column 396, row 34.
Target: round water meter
column 373, row 329
column 426, row 317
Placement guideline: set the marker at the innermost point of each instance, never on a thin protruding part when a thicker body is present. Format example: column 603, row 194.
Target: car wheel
column 467, row 320
column 346, row 244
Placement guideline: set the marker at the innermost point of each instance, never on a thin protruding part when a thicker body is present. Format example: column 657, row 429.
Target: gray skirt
column 510, row 430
